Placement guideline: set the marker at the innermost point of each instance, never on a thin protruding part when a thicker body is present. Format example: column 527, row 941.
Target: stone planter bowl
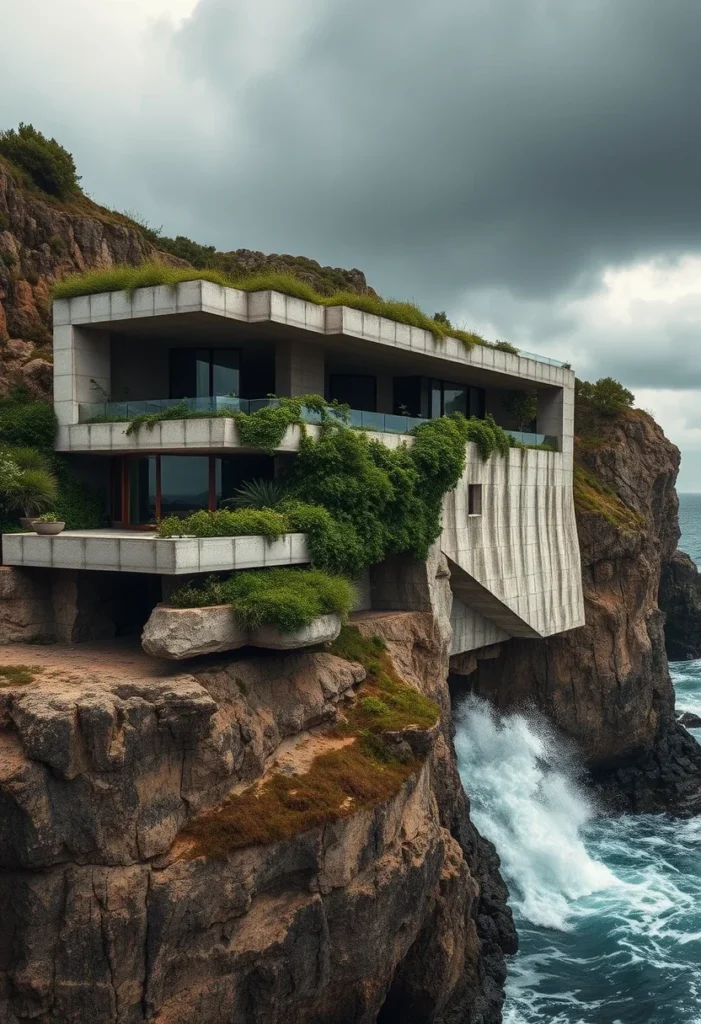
column 48, row 529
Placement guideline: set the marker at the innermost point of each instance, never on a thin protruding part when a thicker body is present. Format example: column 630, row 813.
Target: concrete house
column 509, row 533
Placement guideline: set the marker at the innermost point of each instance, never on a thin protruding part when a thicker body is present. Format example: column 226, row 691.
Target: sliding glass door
column 147, row 488
column 204, row 372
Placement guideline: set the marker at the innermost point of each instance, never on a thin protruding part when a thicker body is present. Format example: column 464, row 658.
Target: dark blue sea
column 608, row 909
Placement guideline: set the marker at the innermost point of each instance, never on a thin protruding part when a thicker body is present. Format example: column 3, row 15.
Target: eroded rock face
column 680, row 600
column 607, row 684
column 109, row 916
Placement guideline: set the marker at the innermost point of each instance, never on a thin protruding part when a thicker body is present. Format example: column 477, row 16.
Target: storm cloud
column 531, row 166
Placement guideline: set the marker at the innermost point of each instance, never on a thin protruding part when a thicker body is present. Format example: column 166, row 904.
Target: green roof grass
column 127, row 278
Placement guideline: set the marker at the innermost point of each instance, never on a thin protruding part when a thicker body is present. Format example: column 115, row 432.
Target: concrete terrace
column 136, row 551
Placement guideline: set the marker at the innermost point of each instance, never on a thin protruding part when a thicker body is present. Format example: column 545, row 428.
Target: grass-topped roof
column 128, row 278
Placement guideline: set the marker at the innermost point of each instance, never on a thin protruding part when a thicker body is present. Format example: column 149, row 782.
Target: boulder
column 177, row 633
column 320, row 630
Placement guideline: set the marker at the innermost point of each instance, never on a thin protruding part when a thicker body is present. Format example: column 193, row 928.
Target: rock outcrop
column 393, row 912
column 43, row 239
column 680, row 600
column 607, row 684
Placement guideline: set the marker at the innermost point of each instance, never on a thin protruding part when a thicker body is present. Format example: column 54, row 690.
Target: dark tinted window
column 184, row 484
column 354, row 389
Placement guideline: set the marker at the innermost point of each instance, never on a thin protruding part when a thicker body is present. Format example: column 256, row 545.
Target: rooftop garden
column 128, row 278
column 362, row 769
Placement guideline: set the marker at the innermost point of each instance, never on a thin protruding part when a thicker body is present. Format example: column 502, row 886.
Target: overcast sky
column 530, row 166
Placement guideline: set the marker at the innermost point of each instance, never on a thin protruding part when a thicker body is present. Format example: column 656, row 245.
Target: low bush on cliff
column 365, row 768
column 592, row 496
column 48, row 164
column 287, row 599
column 127, row 278
column 607, row 395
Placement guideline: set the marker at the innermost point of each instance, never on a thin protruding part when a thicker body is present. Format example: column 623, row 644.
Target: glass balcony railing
column 115, row 412
column 120, row 412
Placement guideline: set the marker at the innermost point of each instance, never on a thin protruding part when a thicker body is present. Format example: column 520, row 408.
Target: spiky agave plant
column 256, row 494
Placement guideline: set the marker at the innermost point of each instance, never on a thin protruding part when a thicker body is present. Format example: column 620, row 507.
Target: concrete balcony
column 133, row 551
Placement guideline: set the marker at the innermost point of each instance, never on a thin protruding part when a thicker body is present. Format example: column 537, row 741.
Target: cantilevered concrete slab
column 132, row 551
column 83, row 328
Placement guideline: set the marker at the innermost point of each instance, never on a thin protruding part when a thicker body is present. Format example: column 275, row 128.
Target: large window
column 357, row 390
column 430, row 398
column 203, row 372
column 147, row 488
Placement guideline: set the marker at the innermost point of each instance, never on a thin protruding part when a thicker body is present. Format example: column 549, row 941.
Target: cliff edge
column 607, row 685
column 175, row 848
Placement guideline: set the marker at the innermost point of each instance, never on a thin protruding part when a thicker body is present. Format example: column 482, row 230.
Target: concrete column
column 299, row 369
column 80, row 356
column 550, row 419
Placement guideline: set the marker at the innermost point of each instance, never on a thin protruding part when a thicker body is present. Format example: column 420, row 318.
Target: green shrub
column 27, row 424
column 606, row 395
column 77, row 504
column 257, row 494
column 9, row 259
column 57, row 244
column 287, row 599
column 4, row 222
column 50, row 166
column 222, row 523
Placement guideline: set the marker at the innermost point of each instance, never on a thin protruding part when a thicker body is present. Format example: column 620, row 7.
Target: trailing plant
column 287, row 599
column 358, row 501
column 222, row 523
column 148, row 420
column 266, row 427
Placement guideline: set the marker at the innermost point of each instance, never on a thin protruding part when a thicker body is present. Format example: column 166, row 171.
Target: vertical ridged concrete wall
column 515, row 569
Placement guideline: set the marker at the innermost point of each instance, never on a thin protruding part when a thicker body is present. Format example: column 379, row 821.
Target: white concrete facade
column 82, row 342
column 514, row 566
column 132, row 551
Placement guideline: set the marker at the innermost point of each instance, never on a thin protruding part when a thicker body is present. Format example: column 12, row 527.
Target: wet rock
column 680, row 600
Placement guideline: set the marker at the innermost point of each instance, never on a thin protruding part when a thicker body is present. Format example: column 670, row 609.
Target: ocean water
column 608, row 909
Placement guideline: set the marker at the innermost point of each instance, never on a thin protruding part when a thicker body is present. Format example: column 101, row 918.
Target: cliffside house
column 509, row 531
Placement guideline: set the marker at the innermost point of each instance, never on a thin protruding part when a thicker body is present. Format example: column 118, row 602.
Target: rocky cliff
column 43, row 239
column 607, row 685
column 129, row 895
column 680, row 600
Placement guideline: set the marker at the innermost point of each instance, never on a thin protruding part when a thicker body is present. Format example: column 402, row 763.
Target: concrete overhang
column 133, row 551
column 217, row 312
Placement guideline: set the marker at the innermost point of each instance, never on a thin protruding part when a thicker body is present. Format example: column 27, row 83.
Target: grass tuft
column 18, row 675
column 339, row 783
column 592, row 496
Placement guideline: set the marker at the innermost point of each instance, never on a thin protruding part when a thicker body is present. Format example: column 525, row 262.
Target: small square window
column 474, row 499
